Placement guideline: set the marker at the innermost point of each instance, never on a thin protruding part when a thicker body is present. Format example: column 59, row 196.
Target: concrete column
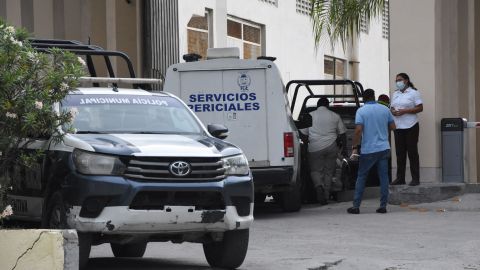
column 126, row 36
column 220, row 23
column 27, row 14
column 111, row 29
column 476, row 54
column 413, row 51
column 58, row 19
column 14, row 12
column 3, row 9
column 140, row 37
column 354, row 59
column 469, row 100
column 43, row 19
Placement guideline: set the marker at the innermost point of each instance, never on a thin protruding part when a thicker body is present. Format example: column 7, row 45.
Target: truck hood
column 158, row 145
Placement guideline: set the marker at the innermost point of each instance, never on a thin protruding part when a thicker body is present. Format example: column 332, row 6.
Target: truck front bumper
column 113, row 204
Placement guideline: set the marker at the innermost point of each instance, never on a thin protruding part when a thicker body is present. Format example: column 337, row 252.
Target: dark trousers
column 406, row 142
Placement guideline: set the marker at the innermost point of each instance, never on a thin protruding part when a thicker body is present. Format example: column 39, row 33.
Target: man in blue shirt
column 373, row 124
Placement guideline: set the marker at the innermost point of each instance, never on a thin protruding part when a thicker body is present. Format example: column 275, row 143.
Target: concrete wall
column 438, row 55
column 39, row 249
column 111, row 24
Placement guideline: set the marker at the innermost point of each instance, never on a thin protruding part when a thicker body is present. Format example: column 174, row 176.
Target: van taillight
column 288, row 144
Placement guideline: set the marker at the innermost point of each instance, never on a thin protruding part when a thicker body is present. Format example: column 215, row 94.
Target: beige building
column 80, row 20
column 437, row 42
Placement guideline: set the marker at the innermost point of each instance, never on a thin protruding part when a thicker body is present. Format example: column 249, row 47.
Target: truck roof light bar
column 191, row 57
column 269, row 58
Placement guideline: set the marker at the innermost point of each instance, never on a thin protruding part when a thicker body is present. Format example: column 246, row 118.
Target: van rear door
column 233, row 98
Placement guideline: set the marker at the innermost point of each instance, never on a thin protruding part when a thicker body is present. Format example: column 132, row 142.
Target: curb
column 431, row 192
column 39, row 249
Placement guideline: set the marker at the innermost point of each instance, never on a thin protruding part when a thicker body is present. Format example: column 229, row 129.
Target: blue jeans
column 366, row 162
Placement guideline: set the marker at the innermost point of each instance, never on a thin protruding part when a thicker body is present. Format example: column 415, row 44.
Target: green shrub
column 31, row 86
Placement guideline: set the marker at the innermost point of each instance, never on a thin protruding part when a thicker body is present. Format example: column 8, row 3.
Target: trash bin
column 452, row 150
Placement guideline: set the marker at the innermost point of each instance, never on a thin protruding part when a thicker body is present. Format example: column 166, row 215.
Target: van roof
column 117, row 91
column 222, row 64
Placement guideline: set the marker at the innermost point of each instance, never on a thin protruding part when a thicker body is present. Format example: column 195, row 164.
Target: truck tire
column 56, row 218
column 134, row 250
column 228, row 253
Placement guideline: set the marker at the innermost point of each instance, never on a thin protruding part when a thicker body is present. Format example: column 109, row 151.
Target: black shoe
column 353, row 210
column 414, row 183
column 382, row 210
column 398, row 182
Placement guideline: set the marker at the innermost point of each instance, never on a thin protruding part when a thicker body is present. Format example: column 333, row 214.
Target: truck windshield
column 96, row 113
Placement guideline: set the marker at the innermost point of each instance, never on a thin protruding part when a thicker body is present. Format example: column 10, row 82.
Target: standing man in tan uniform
column 326, row 127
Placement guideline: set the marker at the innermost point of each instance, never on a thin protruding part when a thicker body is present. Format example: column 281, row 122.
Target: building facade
column 155, row 34
column 437, row 42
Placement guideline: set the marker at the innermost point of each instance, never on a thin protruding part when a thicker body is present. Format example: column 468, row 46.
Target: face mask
column 400, row 85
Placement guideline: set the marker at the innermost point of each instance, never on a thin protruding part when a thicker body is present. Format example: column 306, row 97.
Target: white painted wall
column 289, row 38
column 373, row 57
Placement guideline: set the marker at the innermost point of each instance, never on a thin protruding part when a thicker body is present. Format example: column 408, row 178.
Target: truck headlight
column 236, row 165
column 92, row 163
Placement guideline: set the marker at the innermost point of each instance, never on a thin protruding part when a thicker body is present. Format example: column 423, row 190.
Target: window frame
column 250, row 24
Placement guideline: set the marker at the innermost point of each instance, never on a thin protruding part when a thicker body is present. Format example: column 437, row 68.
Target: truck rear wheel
column 134, row 250
column 228, row 253
column 56, row 218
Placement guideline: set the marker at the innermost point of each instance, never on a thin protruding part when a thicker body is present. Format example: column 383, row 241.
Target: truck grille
column 157, row 200
column 158, row 168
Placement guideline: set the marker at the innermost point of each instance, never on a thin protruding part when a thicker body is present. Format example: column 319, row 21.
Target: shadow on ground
column 141, row 263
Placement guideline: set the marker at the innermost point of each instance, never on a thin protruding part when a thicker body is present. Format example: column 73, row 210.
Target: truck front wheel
column 56, row 218
column 228, row 253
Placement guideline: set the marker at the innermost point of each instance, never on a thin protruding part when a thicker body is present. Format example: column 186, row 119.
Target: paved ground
column 442, row 235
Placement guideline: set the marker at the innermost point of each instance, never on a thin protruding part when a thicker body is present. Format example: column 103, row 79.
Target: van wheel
column 228, row 253
column 56, row 218
column 291, row 200
column 260, row 198
column 134, row 250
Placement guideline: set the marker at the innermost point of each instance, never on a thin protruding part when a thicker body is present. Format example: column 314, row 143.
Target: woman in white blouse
column 405, row 105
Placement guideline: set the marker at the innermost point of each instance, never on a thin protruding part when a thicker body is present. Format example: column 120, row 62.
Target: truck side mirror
column 218, row 131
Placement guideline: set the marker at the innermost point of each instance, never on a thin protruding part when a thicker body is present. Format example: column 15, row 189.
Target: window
column 272, row 2
column 364, row 24
column 198, row 35
column 246, row 36
column 304, row 7
column 386, row 20
column 334, row 69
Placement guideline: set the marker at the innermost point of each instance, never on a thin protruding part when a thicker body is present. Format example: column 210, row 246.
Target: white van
column 249, row 98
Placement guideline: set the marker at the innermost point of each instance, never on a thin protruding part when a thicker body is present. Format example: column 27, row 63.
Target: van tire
column 230, row 252
column 133, row 250
column 291, row 200
column 260, row 198
column 56, row 218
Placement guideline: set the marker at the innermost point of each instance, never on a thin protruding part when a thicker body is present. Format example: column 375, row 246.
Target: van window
column 130, row 114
